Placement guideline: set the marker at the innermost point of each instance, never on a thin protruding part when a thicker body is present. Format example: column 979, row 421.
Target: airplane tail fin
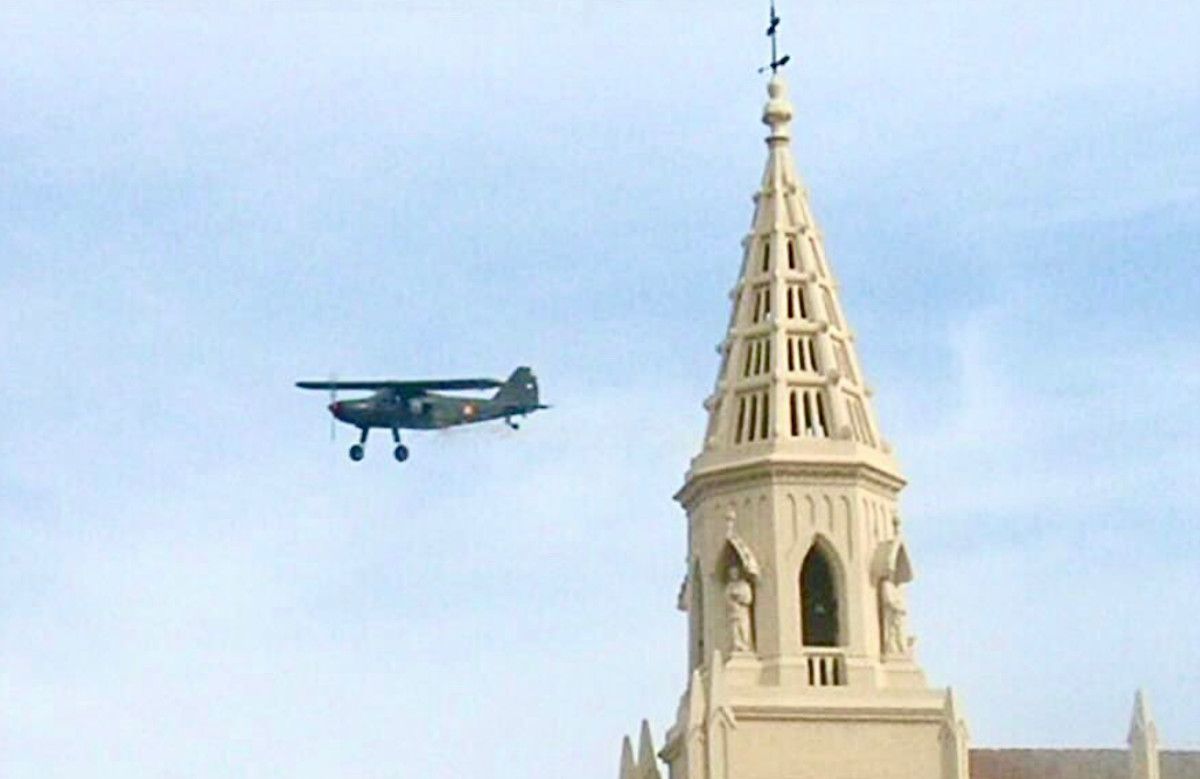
column 520, row 391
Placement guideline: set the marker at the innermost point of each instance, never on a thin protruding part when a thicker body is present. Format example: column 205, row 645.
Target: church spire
column 790, row 385
column 797, row 566
column 1143, row 741
column 793, row 470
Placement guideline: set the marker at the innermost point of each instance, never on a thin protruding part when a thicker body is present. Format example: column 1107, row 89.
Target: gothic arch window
column 820, row 598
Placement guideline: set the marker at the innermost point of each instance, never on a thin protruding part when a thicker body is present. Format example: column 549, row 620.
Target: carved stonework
column 891, row 570
column 896, row 641
column 741, row 572
column 683, row 600
column 739, row 597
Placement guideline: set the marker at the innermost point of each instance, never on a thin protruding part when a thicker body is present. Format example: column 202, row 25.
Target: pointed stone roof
column 1141, row 724
column 1143, row 741
column 628, row 767
column 790, row 386
column 647, row 761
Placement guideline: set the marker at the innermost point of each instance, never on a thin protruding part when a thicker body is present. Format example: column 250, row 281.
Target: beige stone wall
column 834, row 749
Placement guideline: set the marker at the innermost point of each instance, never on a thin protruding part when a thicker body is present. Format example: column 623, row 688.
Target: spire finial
column 777, row 62
column 777, row 113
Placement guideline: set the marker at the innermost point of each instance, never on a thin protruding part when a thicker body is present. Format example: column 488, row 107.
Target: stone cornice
column 725, row 477
column 835, row 712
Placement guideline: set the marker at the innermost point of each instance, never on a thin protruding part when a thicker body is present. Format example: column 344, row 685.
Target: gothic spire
column 1143, row 741
column 790, row 384
column 647, row 760
column 628, row 767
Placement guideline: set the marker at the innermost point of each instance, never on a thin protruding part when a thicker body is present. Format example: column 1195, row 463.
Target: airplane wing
column 403, row 387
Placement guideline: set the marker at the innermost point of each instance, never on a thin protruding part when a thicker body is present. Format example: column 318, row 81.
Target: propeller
column 332, row 400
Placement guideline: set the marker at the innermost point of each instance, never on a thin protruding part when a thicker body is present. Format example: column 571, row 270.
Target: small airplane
column 418, row 405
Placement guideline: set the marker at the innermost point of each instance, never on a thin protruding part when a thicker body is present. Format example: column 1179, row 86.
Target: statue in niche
column 896, row 641
column 891, row 569
column 741, row 573
column 739, row 597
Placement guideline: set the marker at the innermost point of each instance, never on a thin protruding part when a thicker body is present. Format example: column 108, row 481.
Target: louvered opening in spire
column 789, row 371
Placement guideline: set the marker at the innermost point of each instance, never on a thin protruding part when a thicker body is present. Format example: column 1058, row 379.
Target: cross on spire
column 777, row 62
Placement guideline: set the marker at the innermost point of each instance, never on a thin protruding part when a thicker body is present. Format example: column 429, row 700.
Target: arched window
column 819, row 619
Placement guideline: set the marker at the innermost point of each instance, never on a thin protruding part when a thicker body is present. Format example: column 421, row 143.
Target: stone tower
column 801, row 665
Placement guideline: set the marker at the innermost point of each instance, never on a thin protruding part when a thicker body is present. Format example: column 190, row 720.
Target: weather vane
column 777, row 62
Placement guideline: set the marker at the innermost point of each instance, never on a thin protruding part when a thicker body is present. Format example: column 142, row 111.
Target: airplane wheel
column 356, row 452
column 401, row 453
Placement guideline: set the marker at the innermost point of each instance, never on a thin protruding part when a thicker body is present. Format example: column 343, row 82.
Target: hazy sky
column 203, row 202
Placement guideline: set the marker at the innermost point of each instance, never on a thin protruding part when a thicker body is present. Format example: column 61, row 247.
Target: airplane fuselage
column 430, row 411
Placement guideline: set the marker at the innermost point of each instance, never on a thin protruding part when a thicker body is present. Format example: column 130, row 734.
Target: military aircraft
column 419, row 405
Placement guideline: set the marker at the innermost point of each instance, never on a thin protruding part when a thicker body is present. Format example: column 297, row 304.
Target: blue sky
column 201, row 203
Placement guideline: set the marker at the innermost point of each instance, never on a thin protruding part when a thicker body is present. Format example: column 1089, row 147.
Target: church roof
column 790, row 387
column 1074, row 764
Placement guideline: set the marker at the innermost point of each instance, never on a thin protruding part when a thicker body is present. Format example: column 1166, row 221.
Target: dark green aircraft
column 418, row 405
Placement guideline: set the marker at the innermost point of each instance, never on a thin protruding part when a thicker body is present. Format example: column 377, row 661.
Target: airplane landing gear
column 511, row 424
column 357, row 451
column 401, row 451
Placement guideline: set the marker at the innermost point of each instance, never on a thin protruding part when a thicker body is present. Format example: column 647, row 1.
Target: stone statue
column 739, row 596
column 896, row 642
